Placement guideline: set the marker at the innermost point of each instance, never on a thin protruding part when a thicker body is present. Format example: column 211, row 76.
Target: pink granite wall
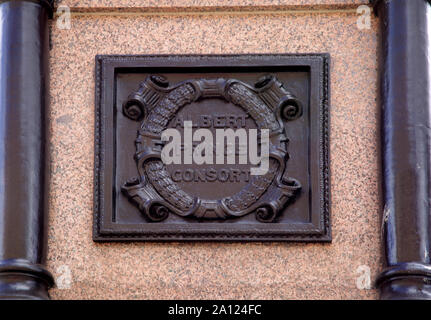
column 86, row 270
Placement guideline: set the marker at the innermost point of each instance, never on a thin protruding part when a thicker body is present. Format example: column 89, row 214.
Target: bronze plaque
column 231, row 147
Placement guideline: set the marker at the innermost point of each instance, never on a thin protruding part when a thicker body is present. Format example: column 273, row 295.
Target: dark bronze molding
column 405, row 101
column 23, row 172
column 139, row 198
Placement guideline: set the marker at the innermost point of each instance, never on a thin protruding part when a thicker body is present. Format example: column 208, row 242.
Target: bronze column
column 24, row 51
column 406, row 122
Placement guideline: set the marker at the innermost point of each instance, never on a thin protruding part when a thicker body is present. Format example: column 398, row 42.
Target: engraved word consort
column 156, row 192
column 212, row 147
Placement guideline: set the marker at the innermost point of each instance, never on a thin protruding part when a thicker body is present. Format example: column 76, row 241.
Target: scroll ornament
column 156, row 103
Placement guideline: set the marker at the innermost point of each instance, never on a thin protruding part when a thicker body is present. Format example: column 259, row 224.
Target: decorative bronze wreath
column 156, row 103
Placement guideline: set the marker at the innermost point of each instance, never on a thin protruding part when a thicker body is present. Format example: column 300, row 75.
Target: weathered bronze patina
column 139, row 197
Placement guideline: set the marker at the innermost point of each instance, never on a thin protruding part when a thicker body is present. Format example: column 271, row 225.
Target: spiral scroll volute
column 150, row 92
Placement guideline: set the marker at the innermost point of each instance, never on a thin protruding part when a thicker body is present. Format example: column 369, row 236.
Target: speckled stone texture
column 201, row 3
column 88, row 270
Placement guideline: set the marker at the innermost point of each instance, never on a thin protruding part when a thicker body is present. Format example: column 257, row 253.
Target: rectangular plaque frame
column 310, row 77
